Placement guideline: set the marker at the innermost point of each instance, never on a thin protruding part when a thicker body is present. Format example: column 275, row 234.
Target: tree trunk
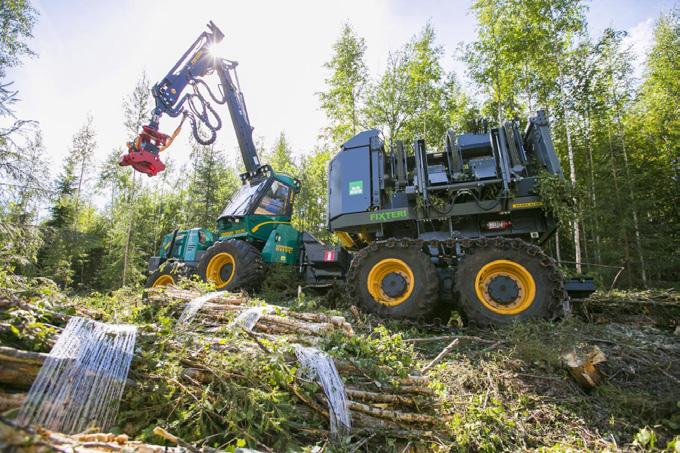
column 128, row 239
column 636, row 225
column 572, row 170
column 593, row 196
column 617, row 193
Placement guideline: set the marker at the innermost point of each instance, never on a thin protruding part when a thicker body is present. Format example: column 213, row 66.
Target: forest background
column 92, row 225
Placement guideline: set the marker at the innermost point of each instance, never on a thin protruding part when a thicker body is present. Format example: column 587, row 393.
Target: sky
column 91, row 53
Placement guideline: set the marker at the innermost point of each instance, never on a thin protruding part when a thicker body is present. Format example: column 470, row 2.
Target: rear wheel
column 232, row 265
column 394, row 278
column 166, row 274
column 505, row 280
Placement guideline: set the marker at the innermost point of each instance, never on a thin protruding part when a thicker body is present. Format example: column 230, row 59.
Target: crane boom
column 173, row 98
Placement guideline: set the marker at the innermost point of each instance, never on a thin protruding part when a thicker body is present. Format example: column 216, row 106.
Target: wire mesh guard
column 195, row 305
column 317, row 365
column 82, row 380
column 249, row 317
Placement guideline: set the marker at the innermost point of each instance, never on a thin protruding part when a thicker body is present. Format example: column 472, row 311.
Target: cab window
column 275, row 200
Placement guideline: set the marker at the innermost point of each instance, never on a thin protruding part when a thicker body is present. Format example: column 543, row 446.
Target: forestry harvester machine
column 415, row 228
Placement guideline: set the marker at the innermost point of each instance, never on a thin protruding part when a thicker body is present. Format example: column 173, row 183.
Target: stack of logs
column 395, row 404
column 222, row 309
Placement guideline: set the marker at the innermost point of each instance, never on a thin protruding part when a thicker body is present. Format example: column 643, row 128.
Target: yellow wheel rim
column 214, row 272
column 518, row 274
column 380, row 271
column 163, row 280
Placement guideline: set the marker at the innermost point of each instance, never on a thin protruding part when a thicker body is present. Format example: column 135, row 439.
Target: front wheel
column 501, row 281
column 167, row 274
column 232, row 265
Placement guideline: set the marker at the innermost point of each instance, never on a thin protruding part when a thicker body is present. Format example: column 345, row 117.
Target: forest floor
column 496, row 390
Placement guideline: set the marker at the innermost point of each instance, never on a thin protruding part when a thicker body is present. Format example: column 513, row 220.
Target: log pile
column 378, row 398
column 222, row 310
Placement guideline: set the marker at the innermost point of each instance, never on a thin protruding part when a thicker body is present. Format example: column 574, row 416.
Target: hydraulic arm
column 183, row 92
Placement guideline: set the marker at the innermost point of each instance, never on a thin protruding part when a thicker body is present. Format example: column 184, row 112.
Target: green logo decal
column 356, row 187
column 384, row 216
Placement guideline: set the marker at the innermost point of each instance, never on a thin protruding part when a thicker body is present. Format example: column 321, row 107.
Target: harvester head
column 143, row 153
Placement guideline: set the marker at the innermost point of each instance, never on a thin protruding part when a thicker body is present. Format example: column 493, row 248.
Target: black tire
column 418, row 302
column 247, row 271
column 511, row 301
column 166, row 274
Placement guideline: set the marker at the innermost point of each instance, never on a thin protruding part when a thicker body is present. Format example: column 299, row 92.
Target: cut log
column 447, row 338
column 9, row 401
column 373, row 397
column 19, row 368
column 397, row 416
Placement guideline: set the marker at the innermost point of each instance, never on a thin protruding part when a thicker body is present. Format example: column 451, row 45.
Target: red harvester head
column 143, row 152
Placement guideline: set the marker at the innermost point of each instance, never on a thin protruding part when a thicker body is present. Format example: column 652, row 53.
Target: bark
column 634, row 210
column 593, row 195
column 128, row 237
column 397, row 416
column 9, row 401
column 373, row 397
column 19, row 368
column 572, row 172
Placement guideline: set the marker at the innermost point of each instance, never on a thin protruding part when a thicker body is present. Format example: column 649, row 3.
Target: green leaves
column 415, row 97
column 17, row 18
column 346, row 84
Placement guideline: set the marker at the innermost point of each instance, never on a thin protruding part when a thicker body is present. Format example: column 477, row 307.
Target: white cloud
column 640, row 39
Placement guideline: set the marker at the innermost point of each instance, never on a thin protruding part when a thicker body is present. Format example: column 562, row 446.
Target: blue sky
column 92, row 52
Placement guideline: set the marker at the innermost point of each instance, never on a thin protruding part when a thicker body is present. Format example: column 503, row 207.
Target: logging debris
column 214, row 386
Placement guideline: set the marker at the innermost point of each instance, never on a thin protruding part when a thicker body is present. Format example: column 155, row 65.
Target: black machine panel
column 349, row 181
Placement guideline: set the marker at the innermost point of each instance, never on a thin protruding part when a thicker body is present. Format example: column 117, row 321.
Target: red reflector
column 498, row 225
column 329, row 255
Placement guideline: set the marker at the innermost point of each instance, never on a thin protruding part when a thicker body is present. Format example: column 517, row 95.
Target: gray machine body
column 457, row 191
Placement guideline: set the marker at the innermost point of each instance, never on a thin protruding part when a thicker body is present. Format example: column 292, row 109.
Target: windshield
column 240, row 201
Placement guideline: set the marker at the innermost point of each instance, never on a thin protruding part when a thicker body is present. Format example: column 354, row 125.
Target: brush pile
column 231, row 375
column 217, row 382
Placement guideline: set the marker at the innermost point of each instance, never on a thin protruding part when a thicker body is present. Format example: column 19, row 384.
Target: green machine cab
column 254, row 228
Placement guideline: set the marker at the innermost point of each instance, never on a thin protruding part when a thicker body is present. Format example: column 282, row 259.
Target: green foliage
column 372, row 353
column 485, row 426
column 310, row 204
column 280, row 158
column 341, row 102
column 560, row 198
column 211, row 185
column 645, row 439
column 280, row 283
column 17, row 18
column 415, row 97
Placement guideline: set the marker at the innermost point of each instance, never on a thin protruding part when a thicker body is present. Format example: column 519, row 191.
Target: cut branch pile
column 16, row 438
column 373, row 403
column 220, row 362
